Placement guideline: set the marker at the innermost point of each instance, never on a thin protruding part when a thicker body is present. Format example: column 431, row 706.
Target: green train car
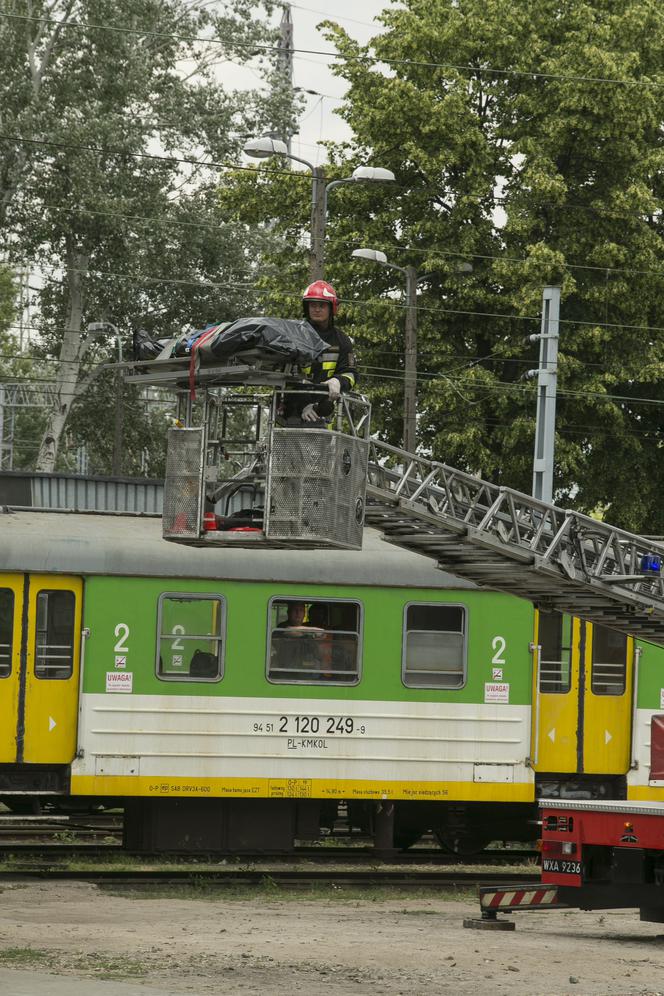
column 231, row 699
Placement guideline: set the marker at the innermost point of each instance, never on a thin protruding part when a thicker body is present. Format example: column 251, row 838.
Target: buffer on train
column 243, row 467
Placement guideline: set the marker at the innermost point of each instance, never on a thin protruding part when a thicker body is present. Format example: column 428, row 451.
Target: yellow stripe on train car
column 299, row 788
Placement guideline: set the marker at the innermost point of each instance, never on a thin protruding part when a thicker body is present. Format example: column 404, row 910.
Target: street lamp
column 264, row 147
column 99, row 328
column 410, row 339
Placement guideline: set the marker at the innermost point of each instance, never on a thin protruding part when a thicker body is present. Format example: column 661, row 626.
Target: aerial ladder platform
column 559, row 559
column 317, row 487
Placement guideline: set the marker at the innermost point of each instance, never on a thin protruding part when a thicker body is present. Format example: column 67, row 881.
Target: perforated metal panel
column 317, row 481
column 183, row 486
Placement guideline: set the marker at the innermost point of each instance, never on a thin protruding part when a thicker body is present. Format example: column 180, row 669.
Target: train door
column 582, row 697
column 11, row 600
column 40, row 629
column 607, row 701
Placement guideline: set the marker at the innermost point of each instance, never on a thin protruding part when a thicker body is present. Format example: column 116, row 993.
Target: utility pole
column 3, row 444
column 410, row 363
column 285, row 56
column 547, row 382
column 119, row 413
column 23, row 274
column 101, row 328
column 318, row 212
column 410, row 339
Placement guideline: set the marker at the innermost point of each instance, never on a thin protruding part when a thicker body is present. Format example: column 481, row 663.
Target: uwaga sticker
column 119, row 681
column 496, row 691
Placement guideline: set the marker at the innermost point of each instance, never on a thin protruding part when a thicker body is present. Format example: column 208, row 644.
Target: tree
column 527, row 139
column 7, row 301
column 116, row 130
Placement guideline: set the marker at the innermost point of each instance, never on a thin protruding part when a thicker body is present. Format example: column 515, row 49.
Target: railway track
column 339, row 878
column 68, row 834
column 318, row 855
column 62, row 839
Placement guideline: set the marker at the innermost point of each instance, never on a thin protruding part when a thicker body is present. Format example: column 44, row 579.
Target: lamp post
column 97, row 328
column 263, row 148
column 410, row 339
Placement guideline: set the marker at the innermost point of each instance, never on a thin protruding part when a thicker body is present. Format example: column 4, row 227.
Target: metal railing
column 510, row 541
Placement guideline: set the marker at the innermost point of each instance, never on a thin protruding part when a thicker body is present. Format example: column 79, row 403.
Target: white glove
column 334, row 387
column 310, row 414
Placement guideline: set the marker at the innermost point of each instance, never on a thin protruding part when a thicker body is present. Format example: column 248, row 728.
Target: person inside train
column 324, row 639
column 335, row 371
column 296, row 648
column 295, row 612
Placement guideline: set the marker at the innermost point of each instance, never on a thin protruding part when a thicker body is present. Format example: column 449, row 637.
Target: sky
column 318, row 120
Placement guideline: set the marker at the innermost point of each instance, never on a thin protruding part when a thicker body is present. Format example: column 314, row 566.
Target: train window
column 555, row 640
column 314, row 641
column 6, row 630
column 54, row 638
column 191, row 631
column 434, row 648
column 609, row 661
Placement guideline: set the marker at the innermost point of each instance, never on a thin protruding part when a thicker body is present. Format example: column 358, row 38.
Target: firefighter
column 335, row 369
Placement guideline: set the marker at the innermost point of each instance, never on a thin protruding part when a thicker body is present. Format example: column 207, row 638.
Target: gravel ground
column 329, row 943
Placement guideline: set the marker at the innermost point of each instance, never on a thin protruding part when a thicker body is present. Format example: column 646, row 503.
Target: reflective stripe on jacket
column 338, row 360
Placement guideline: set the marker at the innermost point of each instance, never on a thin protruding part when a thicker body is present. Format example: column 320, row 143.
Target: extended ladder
column 512, row 542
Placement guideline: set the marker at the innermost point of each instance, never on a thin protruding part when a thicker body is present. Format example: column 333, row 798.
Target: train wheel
column 403, row 839
column 463, row 845
column 22, row 805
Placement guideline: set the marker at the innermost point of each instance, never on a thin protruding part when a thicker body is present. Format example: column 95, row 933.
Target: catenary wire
column 386, row 247
column 300, row 175
column 119, row 153
column 358, row 341
column 432, row 376
column 363, row 303
column 336, row 56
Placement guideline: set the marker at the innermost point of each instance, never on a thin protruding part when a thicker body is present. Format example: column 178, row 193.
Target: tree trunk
column 71, row 353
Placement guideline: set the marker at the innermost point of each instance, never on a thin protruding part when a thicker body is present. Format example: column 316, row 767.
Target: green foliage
column 509, row 154
column 119, row 132
column 145, row 421
column 7, row 301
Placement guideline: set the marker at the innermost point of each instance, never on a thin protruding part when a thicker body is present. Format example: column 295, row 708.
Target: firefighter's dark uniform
column 338, row 361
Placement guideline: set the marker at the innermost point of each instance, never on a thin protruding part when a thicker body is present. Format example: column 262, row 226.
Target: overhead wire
column 432, row 376
column 334, row 16
column 124, row 154
column 355, row 302
column 403, row 249
column 433, row 250
column 495, row 199
column 300, row 175
column 336, row 56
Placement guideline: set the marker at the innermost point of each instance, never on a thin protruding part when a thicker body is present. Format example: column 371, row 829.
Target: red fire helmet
column 320, row 290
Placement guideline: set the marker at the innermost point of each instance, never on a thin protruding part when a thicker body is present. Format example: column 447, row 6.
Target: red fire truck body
column 595, row 855
column 605, row 855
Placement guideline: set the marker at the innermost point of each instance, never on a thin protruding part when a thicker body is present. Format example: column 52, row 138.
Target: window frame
column 315, row 683
column 221, row 657
column 624, row 665
column 404, row 644
column 570, row 650
column 8, row 673
column 37, row 674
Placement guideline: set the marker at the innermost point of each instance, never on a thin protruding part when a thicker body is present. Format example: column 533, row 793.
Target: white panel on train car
column 117, row 765
column 493, row 773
